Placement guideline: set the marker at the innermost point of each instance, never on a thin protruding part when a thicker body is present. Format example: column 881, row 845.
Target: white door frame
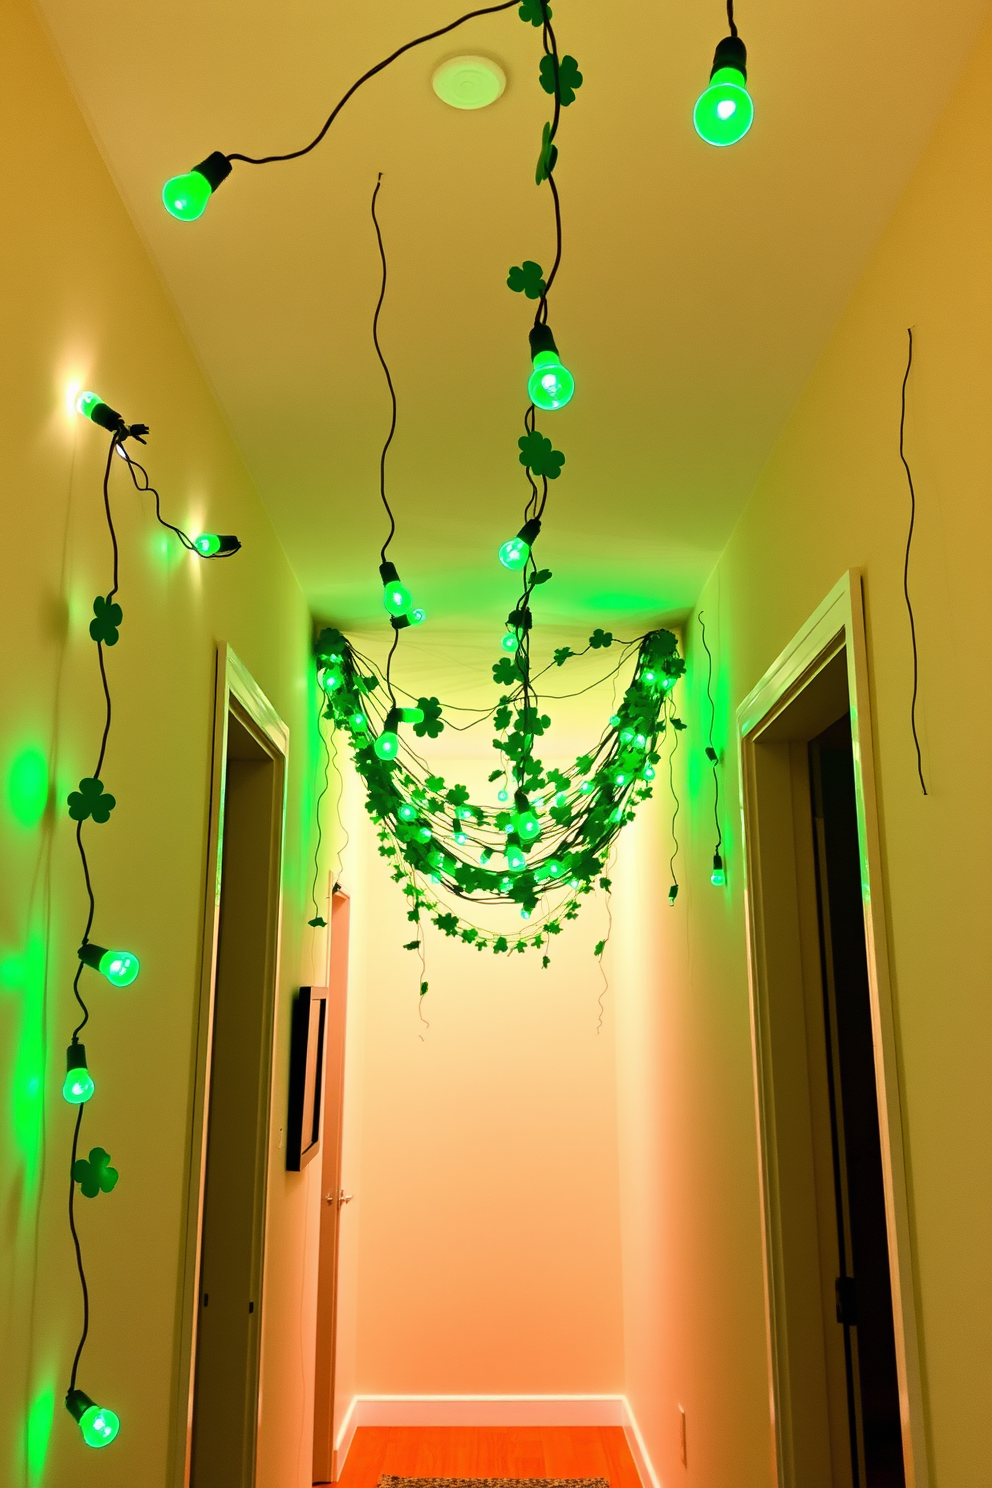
column 838, row 624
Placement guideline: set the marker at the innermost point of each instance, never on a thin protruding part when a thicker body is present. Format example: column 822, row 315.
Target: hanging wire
column 389, row 380
column 318, row 919
column 673, row 891
column 730, row 17
column 711, row 754
column 905, row 569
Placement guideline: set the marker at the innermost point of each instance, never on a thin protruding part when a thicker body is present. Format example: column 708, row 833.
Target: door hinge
column 846, row 1292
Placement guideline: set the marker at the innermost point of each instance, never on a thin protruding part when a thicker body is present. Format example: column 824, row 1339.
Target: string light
column 724, row 111
column 78, row 1087
column 216, row 545
column 99, row 1425
column 186, row 196
column 550, row 385
column 718, row 878
column 119, row 967
column 516, row 550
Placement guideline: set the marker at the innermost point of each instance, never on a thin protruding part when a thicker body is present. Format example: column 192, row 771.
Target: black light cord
column 905, row 569
column 79, row 1254
column 711, row 752
column 730, row 17
column 417, row 41
column 389, row 380
column 317, row 917
column 678, row 806
column 134, row 465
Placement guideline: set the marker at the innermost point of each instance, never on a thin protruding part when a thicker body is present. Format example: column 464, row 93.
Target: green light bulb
column 550, row 385
column 207, row 544
column 503, row 795
column 397, row 598
column 724, row 112
column 99, row 1426
column 417, row 617
column 78, row 1087
column 359, row 722
column 387, row 745
column 514, row 553
column 186, row 196
column 527, row 825
column 407, row 812
column 86, row 402
column 461, row 838
column 515, row 859
column 331, row 680
column 718, row 878
column 424, row 834
column 510, row 642
column 119, row 967
column 553, row 868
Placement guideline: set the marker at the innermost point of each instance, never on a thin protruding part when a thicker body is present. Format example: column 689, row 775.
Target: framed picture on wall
column 306, row 1076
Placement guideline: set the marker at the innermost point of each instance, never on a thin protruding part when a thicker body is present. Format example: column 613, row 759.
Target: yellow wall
column 834, row 496
column 82, row 304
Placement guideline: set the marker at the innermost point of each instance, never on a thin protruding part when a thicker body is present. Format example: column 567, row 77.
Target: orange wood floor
column 489, row 1452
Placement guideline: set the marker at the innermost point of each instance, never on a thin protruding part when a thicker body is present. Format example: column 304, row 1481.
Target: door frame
column 235, row 690
column 837, row 625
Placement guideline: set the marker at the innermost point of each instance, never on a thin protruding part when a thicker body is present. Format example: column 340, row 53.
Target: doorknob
column 344, row 1198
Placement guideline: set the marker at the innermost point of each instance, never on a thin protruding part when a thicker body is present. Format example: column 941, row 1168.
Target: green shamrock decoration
column 430, row 724
column 316, row 922
column 527, row 279
column 506, row 672
column 539, row 456
column 601, row 638
column 562, row 655
column 569, row 78
column 107, row 618
column 548, row 158
column 535, row 12
column 541, row 577
column 91, row 800
column 95, row 1175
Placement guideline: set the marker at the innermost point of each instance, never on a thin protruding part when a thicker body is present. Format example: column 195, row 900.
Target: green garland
column 552, row 839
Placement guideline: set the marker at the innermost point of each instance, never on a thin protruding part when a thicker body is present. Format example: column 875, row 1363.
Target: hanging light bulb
column 515, row 859
column 510, row 642
column 77, row 1087
column 396, row 597
column 186, row 196
column 724, row 111
column 550, row 385
column 718, row 878
column 92, row 406
column 408, row 812
column 525, row 822
column 99, row 1426
column 516, row 550
column 331, row 680
column 119, row 967
column 216, row 544
column 673, row 893
column 387, row 744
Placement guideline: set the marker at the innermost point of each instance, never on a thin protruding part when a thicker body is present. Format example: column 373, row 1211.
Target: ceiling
column 696, row 291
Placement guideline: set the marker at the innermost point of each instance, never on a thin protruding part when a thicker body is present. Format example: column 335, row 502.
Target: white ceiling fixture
column 469, row 82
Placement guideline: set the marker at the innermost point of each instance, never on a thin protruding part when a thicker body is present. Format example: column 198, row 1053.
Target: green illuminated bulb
column 417, row 617
column 86, row 402
column 387, row 745
column 724, row 112
column 515, row 859
column 119, row 967
column 359, row 722
column 503, row 795
column 553, row 868
column 78, row 1087
column 331, row 680
column 461, row 838
column 186, row 196
column 397, row 598
column 527, row 825
column 207, row 544
column 424, row 834
column 510, row 642
column 550, row 384
column 718, row 878
column 407, row 812
column 99, row 1426
column 514, row 553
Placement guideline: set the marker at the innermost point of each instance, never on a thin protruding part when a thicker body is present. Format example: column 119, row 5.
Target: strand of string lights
column 717, row 873
column 905, row 566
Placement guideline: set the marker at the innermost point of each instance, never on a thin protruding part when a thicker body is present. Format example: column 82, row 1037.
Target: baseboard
column 494, row 1410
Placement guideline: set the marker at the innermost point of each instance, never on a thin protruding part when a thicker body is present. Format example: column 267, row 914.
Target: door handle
column 343, row 1198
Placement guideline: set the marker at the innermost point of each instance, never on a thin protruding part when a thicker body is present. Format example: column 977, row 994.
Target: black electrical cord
column 318, row 919
column 389, row 380
column 678, row 807
column 905, row 570
column 134, row 465
column 711, row 750
column 730, row 17
column 417, row 41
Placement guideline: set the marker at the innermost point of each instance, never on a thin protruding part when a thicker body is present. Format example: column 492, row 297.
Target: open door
column 333, row 1198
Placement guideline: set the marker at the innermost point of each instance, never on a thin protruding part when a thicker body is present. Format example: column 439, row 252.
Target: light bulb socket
column 387, row 573
column 91, row 954
column 520, row 801
column 77, row 1403
column 730, row 52
column 519, row 619
column 717, row 863
column 393, row 718
column 215, row 169
column 530, row 530
column 673, row 893
column 400, row 622
column 711, row 754
column 541, row 339
column 75, row 1056
column 108, row 418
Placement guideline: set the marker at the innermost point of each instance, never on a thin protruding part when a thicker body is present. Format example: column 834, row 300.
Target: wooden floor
column 489, row 1452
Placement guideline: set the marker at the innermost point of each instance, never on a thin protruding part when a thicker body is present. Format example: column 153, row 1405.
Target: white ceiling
column 697, row 287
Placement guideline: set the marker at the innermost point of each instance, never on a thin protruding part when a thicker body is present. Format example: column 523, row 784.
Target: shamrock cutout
column 538, row 454
column 458, row 795
column 107, row 616
column 423, row 988
column 317, row 921
column 330, row 642
column 562, row 655
column 431, row 723
column 535, row 12
column 569, row 78
column 94, row 1175
column 90, row 800
column 548, row 158
column 435, row 783
column 527, row 279
column 529, row 721
column 541, row 577
column 412, row 945
column 601, row 638
column 506, row 671
column 447, row 922
column 501, row 720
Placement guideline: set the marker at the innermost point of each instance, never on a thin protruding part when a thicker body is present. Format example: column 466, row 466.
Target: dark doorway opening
column 863, row 1285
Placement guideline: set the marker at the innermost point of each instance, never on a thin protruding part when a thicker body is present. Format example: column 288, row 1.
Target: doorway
column 843, row 1360
column 223, row 1296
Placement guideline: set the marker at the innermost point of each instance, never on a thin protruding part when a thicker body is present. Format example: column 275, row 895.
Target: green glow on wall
column 724, row 112
column 37, row 1432
column 24, row 976
column 27, row 786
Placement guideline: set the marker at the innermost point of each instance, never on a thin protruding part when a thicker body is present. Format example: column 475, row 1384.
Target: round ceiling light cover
column 469, row 82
